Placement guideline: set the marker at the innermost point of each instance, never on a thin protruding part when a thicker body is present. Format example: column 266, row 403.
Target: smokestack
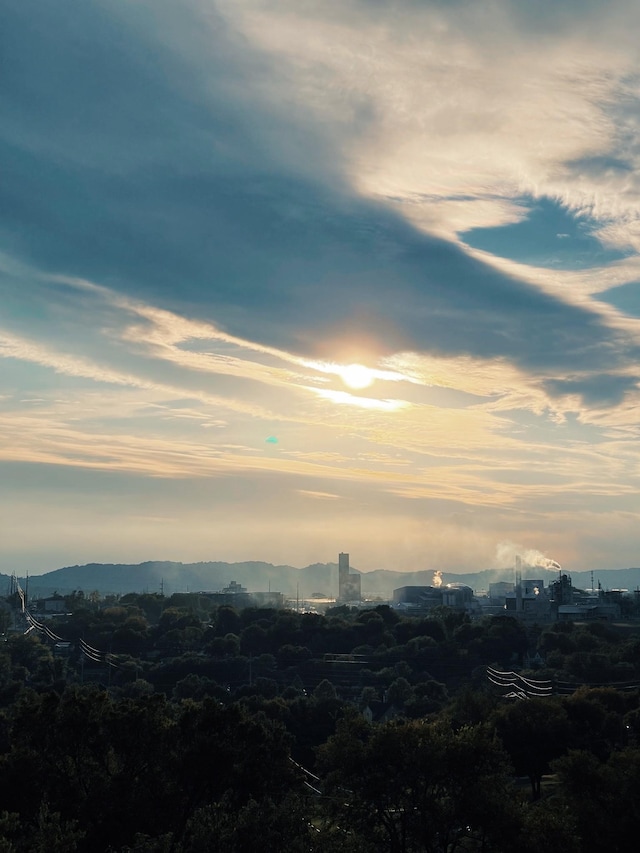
column 518, row 584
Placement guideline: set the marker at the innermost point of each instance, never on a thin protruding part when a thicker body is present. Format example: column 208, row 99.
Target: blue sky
column 210, row 211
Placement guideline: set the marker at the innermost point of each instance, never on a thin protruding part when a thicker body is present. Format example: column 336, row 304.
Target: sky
column 283, row 278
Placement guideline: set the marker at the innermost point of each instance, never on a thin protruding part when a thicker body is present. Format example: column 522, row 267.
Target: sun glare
column 357, row 376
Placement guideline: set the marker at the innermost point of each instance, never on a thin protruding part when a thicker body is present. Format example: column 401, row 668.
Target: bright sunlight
column 357, row 376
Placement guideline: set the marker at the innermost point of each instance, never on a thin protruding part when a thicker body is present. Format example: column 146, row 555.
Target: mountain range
column 320, row 579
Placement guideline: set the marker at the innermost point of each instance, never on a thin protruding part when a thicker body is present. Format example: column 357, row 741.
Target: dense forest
column 147, row 723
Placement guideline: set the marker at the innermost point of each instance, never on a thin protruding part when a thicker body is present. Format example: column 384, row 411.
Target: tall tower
column 348, row 584
column 343, row 575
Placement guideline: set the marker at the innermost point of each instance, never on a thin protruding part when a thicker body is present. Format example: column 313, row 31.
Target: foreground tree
column 604, row 797
column 111, row 774
column 533, row 733
column 418, row 786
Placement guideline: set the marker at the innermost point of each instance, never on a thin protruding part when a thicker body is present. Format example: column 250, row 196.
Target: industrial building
column 417, row 599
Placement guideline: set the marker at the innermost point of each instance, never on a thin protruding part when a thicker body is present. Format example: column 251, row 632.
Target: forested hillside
column 158, row 724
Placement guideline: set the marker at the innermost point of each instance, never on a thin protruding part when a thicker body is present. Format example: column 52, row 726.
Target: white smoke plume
column 506, row 553
column 437, row 578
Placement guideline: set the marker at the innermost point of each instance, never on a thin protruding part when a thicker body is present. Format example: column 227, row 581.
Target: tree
column 127, row 772
column 177, row 618
column 272, row 827
column 505, row 640
column 6, row 618
column 371, row 627
column 36, row 658
column 367, row 696
column 418, row 786
column 533, row 732
column 597, row 719
column 449, row 618
column 604, row 797
column 427, row 697
column 46, row 833
column 325, row 691
column 227, row 621
column 151, row 604
column 399, row 692
column 253, row 640
column 223, row 756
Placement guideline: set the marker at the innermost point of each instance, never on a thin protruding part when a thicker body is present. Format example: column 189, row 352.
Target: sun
column 356, row 376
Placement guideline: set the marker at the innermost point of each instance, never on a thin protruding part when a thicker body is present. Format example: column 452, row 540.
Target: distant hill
column 319, row 578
